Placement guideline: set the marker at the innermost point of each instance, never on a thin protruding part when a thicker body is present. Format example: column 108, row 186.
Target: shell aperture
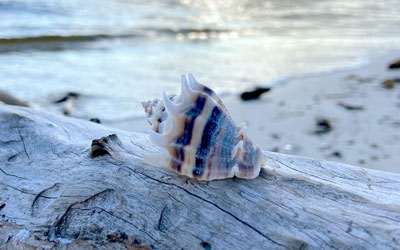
column 198, row 137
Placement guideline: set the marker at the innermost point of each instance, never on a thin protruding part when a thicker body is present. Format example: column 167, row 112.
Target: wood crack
column 218, row 207
column 16, row 176
column 286, row 165
column 23, row 143
column 20, row 190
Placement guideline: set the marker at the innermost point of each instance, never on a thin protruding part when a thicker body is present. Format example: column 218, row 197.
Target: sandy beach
column 316, row 83
column 285, row 119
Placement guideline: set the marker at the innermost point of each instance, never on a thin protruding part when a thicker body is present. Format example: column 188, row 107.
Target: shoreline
column 358, row 63
column 284, row 119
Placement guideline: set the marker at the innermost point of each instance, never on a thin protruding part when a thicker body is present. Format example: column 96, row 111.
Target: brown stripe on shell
column 180, row 155
column 213, row 161
column 185, row 138
column 207, row 140
column 209, row 92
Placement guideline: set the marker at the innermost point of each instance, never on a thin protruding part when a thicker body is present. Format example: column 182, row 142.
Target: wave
column 54, row 39
column 53, row 42
column 61, row 42
column 188, row 30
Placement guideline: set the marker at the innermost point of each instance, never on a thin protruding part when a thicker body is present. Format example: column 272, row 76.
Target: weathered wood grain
column 52, row 194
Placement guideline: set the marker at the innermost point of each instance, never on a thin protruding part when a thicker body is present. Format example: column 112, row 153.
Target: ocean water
column 118, row 53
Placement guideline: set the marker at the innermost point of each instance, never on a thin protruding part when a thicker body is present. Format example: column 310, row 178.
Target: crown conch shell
column 198, row 137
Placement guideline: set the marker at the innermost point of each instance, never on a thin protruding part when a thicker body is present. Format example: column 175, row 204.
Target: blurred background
column 120, row 52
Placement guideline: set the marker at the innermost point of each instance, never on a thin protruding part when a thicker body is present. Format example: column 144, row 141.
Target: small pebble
column 66, row 112
column 324, row 146
column 96, row 120
column 276, row 136
column 290, row 149
column 350, row 106
column 323, row 126
column 388, row 84
column 275, row 149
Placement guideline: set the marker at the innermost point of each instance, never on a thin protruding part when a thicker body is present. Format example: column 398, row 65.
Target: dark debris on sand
column 350, row 106
column 389, row 83
column 68, row 100
column 337, row 154
column 360, row 79
column 95, row 120
column 394, row 65
column 68, row 96
column 323, row 126
column 254, row 94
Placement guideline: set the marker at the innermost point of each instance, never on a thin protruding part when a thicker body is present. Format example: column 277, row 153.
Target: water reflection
column 125, row 51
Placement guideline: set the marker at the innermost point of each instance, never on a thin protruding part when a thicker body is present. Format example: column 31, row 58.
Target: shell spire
column 198, row 137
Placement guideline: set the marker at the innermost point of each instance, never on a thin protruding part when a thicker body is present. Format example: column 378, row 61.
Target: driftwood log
column 71, row 184
column 7, row 98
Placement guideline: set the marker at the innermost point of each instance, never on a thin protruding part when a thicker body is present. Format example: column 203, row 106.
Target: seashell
column 198, row 137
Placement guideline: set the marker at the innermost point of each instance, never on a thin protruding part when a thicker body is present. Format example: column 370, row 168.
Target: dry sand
column 284, row 119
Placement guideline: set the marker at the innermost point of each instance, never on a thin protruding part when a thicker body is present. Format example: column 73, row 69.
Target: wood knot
column 102, row 146
column 206, row 245
column 117, row 236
